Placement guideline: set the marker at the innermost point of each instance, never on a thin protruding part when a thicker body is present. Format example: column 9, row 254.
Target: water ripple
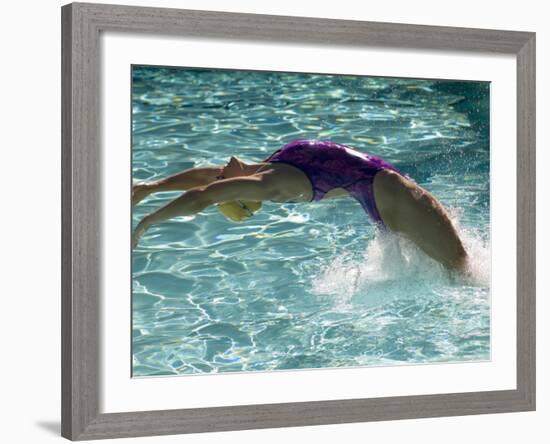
column 310, row 285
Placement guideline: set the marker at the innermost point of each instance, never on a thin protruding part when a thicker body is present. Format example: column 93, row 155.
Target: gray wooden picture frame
column 82, row 24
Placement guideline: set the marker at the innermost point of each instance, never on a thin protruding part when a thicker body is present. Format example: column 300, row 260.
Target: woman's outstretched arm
column 257, row 187
column 185, row 180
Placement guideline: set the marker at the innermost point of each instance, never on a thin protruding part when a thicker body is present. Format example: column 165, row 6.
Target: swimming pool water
column 306, row 285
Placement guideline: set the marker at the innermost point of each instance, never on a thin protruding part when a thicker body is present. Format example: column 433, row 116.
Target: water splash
column 479, row 262
column 392, row 267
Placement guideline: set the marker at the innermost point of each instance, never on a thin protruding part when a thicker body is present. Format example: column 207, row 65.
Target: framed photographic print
column 280, row 221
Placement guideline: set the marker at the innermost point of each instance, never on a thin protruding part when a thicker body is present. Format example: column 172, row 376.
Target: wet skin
column 404, row 206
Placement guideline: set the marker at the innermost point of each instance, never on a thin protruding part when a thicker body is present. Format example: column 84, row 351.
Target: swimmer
column 313, row 170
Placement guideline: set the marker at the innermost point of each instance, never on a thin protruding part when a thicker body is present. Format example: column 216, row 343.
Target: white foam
column 393, row 266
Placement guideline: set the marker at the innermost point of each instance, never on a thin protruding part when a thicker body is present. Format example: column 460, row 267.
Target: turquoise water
column 306, row 285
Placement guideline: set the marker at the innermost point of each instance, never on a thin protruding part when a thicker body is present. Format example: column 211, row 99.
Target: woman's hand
column 140, row 231
column 140, row 192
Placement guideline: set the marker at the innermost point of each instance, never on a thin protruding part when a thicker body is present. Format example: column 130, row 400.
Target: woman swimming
column 313, row 170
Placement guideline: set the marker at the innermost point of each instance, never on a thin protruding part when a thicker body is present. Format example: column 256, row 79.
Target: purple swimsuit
column 330, row 165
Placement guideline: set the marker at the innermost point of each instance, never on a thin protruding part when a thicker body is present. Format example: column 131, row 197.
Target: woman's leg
column 185, row 180
column 407, row 208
